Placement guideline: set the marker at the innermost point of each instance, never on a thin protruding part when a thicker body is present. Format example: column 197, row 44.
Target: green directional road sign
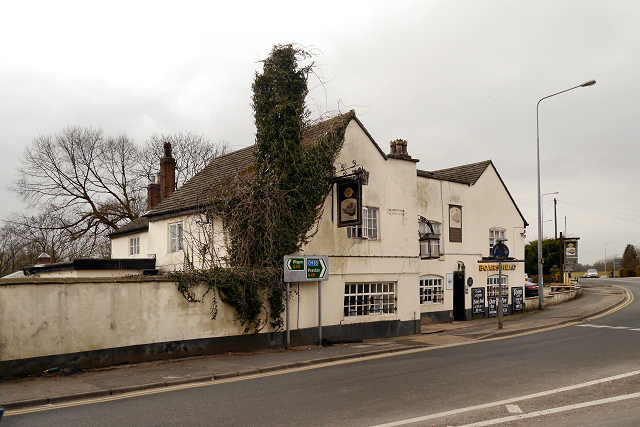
column 316, row 268
column 295, row 264
column 307, row 268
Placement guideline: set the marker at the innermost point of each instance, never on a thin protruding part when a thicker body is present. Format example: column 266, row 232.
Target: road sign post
column 306, row 268
column 500, row 252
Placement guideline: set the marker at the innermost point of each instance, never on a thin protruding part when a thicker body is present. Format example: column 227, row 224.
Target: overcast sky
column 459, row 80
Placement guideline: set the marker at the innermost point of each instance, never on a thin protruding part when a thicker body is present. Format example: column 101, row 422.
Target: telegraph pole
column 555, row 217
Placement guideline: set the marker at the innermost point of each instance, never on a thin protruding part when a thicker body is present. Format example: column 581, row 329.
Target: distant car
column 604, row 277
column 530, row 289
column 527, row 278
column 592, row 272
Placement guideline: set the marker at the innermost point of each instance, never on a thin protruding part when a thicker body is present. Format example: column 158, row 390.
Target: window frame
column 493, row 238
column 134, row 245
column 370, row 228
column 176, row 237
column 431, row 290
column 492, row 285
column 363, row 299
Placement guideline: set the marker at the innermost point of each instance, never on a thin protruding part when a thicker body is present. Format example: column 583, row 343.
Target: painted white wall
column 484, row 205
column 196, row 234
column 41, row 317
column 391, row 258
column 87, row 273
column 120, row 246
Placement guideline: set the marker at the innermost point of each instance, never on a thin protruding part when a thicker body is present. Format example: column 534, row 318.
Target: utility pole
column 555, row 217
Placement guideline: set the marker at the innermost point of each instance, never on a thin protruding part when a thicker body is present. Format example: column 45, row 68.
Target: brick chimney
column 153, row 193
column 166, row 185
column 399, row 151
column 167, row 172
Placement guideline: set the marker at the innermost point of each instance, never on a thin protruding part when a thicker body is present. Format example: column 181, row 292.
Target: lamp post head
column 589, row 83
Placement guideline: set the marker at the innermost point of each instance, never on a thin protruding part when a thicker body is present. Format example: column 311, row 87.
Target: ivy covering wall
column 273, row 209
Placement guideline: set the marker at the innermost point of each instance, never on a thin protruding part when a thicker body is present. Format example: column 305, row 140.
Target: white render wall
column 42, row 317
column 484, row 205
column 392, row 258
column 120, row 246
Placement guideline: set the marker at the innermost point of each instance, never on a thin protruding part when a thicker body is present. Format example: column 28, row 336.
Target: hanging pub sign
column 571, row 251
column 349, row 203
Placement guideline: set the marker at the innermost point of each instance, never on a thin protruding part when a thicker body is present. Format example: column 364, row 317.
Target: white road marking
column 553, row 410
column 514, row 409
column 506, row 401
column 628, row 300
column 586, row 325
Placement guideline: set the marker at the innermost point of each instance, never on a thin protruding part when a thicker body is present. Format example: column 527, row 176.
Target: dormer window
column 429, row 233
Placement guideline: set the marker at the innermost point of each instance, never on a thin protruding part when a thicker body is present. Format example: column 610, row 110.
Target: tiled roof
column 466, row 174
column 223, row 169
column 195, row 192
column 137, row 225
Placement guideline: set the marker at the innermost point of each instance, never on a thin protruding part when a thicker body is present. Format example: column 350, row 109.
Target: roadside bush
column 628, row 272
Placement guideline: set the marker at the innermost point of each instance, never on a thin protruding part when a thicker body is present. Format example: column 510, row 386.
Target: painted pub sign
column 349, row 203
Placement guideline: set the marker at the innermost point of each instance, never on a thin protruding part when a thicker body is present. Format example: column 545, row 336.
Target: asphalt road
column 586, row 374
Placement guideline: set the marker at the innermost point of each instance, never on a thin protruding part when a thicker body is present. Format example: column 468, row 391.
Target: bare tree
column 90, row 183
column 85, row 185
column 192, row 153
column 31, row 235
column 13, row 254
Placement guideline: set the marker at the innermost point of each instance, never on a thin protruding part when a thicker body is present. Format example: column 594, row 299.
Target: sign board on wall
column 455, row 224
column 306, row 268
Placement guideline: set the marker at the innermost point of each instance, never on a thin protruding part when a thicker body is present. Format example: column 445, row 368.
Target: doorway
column 458, row 296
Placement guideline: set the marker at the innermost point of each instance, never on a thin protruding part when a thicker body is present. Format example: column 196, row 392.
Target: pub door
column 458, row 296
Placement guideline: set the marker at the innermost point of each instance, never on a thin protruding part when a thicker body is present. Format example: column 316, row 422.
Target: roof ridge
column 487, row 162
column 218, row 172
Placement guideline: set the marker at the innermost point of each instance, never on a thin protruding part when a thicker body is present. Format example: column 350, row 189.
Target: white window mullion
column 431, row 290
column 369, row 299
column 369, row 227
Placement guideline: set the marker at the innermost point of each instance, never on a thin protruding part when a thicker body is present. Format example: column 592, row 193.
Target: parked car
column 527, row 278
column 530, row 289
column 592, row 272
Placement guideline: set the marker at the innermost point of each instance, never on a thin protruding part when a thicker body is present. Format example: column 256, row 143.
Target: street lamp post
column 605, row 257
column 540, row 273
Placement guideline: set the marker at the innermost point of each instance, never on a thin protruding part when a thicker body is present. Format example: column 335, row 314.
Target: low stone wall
column 555, row 297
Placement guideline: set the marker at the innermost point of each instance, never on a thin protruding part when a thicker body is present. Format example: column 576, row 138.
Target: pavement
column 58, row 387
